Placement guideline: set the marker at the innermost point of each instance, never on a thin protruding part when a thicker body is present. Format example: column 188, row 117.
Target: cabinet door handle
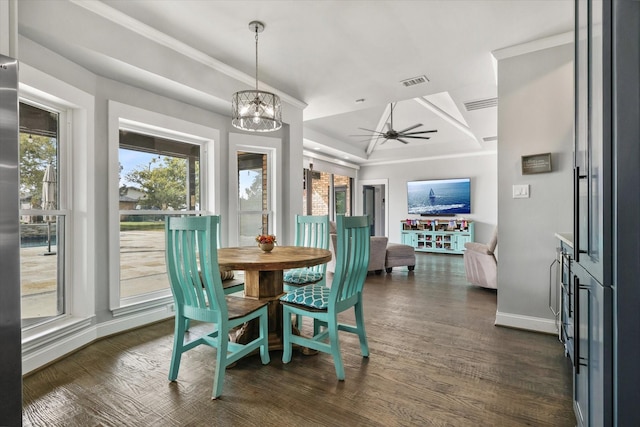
column 566, row 261
column 576, row 325
column 576, row 213
column 551, row 282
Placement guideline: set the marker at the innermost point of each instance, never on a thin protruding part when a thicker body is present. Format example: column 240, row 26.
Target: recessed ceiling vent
column 414, row 81
column 490, row 138
column 481, row 104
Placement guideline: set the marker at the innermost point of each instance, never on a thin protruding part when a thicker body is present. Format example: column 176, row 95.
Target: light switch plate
column 521, row 191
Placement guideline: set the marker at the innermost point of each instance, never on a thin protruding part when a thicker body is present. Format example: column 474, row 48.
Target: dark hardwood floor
column 436, row 359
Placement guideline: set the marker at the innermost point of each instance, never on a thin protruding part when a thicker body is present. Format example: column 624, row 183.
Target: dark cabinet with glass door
column 605, row 269
column 591, row 275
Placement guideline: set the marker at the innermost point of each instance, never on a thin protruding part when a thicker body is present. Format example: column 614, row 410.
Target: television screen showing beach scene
column 439, row 197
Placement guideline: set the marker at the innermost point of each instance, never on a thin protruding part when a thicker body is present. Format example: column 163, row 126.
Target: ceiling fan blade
column 368, row 135
column 370, row 130
column 410, row 128
column 403, row 141
column 385, row 140
column 415, row 137
column 420, row 131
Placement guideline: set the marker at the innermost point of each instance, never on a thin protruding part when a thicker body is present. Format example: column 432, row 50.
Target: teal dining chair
column 194, row 276
column 323, row 304
column 230, row 284
column 311, row 231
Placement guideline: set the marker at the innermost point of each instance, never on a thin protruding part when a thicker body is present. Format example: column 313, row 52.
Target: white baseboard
column 536, row 324
column 46, row 352
column 57, row 349
column 121, row 324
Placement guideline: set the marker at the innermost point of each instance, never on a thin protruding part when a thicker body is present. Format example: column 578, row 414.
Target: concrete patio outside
column 142, row 269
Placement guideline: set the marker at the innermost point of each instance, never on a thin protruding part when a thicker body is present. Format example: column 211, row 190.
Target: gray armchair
column 480, row 263
column 378, row 251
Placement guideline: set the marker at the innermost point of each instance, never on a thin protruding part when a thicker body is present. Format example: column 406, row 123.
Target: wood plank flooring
column 436, row 360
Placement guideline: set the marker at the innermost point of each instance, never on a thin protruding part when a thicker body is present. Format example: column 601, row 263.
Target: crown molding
column 165, row 40
column 428, row 158
column 533, row 46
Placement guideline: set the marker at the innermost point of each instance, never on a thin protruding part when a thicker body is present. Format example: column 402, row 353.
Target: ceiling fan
column 399, row 135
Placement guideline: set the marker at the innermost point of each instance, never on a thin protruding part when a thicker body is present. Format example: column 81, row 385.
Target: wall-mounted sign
column 536, row 163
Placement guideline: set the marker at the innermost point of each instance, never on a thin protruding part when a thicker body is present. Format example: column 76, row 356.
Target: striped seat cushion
column 314, row 296
column 301, row 276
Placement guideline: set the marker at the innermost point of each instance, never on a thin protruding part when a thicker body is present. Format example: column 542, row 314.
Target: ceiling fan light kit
column 256, row 110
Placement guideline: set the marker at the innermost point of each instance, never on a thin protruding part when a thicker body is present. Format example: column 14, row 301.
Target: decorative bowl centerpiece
column 266, row 242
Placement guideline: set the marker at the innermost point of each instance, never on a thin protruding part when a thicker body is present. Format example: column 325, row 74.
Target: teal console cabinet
column 437, row 235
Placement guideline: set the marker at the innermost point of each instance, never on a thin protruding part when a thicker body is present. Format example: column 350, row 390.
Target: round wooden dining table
column 263, row 272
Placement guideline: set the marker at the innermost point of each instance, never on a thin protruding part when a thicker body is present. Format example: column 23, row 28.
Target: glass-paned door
column 342, row 194
column 327, row 194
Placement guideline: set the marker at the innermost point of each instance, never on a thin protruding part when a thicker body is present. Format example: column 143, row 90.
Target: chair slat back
column 192, row 265
column 352, row 252
column 312, row 231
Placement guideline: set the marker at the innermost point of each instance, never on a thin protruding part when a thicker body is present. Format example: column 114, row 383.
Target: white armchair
column 480, row 263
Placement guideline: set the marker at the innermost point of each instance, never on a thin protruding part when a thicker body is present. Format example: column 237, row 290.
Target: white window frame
column 123, row 116
column 63, row 195
column 272, row 147
column 76, row 185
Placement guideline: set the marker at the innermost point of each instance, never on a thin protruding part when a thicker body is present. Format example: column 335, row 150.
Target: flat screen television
column 439, row 197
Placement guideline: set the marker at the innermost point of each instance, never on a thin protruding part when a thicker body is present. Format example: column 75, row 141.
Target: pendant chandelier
column 256, row 110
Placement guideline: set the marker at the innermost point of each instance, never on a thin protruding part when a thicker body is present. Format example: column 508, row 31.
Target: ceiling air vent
column 481, row 103
column 414, row 81
column 490, row 138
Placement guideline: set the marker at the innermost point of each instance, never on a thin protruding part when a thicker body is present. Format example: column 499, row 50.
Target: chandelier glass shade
column 256, row 110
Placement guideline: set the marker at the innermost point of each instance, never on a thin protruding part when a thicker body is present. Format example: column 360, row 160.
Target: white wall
column 482, row 169
column 535, row 115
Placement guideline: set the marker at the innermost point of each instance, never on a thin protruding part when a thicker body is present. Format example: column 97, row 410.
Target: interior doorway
column 373, row 205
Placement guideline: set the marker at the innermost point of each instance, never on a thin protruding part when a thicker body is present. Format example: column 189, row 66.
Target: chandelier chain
column 256, row 57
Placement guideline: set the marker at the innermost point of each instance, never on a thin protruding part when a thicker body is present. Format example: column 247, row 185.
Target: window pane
column 142, row 252
column 159, row 175
column 250, row 196
column 253, row 197
column 251, row 225
column 41, row 231
column 41, row 261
